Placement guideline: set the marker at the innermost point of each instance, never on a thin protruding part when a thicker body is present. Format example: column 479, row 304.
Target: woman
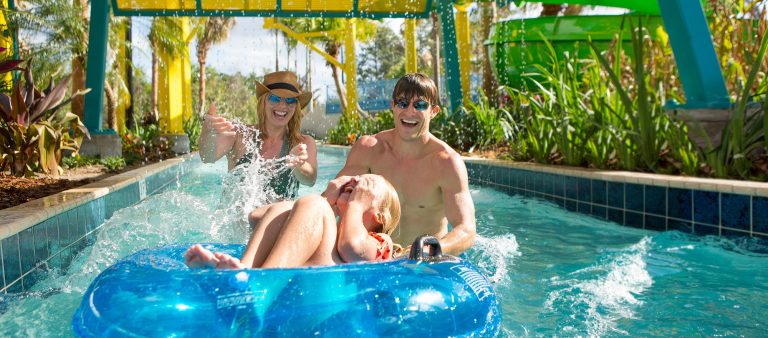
column 368, row 212
column 280, row 104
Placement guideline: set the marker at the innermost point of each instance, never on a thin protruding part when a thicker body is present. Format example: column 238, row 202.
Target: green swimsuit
column 283, row 183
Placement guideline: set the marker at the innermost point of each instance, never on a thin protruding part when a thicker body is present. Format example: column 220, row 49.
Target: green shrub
column 77, row 161
column 193, row 127
column 113, row 163
column 349, row 130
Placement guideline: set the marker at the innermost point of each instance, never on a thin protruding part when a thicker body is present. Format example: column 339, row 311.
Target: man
column 429, row 176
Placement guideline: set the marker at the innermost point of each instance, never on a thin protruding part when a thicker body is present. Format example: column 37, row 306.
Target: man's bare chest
column 417, row 186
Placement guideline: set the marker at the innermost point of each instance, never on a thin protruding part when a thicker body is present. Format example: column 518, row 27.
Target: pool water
column 556, row 273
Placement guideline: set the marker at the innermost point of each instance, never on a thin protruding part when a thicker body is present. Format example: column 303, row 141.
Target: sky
column 251, row 48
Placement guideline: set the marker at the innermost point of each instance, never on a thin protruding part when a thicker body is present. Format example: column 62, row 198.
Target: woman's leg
column 308, row 236
column 271, row 219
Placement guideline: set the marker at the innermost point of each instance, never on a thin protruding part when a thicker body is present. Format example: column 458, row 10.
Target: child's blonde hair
column 389, row 205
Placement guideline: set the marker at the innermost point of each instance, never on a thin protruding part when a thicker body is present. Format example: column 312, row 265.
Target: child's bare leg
column 197, row 256
column 307, row 236
column 265, row 233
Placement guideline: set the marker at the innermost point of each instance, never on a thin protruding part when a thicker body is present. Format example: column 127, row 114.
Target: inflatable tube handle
column 417, row 249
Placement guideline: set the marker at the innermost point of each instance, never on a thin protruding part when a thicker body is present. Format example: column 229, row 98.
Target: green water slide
column 515, row 45
column 636, row 6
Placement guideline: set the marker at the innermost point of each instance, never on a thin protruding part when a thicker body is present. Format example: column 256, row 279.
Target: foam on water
column 599, row 295
column 494, row 256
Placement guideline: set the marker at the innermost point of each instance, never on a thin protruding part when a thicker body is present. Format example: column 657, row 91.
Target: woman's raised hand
column 217, row 125
column 298, row 157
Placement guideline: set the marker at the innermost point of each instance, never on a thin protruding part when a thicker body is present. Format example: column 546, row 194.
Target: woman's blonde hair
column 294, row 125
column 389, row 205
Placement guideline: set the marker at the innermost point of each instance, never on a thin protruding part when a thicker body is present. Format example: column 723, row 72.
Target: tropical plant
column 643, row 108
column 144, row 144
column 56, row 33
column 33, row 133
column 349, row 130
column 193, row 127
column 113, row 163
column 215, row 31
column 745, row 133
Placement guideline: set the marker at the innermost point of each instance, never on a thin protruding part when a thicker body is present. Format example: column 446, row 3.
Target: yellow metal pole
column 410, row 46
column 122, row 103
column 186, row 72
column 6, row 41
column 350, row 67
column 171, row 90
column 464, row 47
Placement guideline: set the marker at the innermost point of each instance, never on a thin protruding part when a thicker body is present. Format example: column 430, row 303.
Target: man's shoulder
column 379, row 139
column 442, row 152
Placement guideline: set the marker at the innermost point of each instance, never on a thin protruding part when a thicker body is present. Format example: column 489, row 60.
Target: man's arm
column 459, row 207
column 357, row 164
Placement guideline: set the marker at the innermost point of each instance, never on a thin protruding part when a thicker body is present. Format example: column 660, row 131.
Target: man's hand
column 298, row 156
column 333, row 190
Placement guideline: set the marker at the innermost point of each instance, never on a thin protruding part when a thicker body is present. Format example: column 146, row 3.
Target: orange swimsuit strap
column 383, row 250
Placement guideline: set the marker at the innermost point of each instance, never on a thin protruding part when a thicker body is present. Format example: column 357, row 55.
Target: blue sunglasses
column 419, row 105
column 275, row 100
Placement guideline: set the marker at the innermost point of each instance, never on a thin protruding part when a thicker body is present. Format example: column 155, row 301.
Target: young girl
column 368, row 211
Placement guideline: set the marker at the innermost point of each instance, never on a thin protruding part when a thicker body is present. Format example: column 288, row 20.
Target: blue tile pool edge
column 648, row 201
column 47, row 233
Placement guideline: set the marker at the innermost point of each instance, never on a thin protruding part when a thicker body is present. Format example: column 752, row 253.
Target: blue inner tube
column 152, row 293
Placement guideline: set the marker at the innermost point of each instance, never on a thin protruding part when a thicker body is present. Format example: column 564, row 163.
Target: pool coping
column 752, row 188
column 18, row 218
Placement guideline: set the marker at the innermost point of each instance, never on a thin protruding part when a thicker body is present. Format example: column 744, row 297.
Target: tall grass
column 605, row 112
column 745, row 134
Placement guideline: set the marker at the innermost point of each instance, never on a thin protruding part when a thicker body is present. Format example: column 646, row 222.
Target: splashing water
column 598, row 296
column 245, row 188
column 494, row 256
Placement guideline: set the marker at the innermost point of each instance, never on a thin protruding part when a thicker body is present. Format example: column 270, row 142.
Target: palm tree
column 165, row 35
column 64, row 26
column 60, row 31
column 216, row 31
column 115, row 82
column 487, row 17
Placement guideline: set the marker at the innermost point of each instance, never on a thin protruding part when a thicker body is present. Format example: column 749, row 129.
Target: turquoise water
column 556, row 273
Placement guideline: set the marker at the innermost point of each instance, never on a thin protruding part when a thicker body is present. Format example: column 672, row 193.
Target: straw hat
column 283, row 84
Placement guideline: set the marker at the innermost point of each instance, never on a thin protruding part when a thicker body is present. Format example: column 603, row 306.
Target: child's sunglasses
column 419, row 105
column 275, row 100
